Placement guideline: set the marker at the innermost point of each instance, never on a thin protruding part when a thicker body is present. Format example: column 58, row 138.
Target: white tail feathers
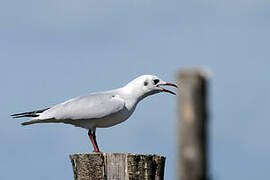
column 34, row 121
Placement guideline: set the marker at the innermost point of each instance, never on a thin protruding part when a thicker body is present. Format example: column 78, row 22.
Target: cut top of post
column 204, row 73
column 124, row 166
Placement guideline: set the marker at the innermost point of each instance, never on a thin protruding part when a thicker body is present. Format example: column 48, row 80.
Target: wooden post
column 117, row 166
column 193, row 124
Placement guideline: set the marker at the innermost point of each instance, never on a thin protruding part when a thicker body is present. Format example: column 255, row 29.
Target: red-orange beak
column 166, row 90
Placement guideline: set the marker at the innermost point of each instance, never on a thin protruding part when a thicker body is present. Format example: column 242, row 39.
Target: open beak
column 166, row 90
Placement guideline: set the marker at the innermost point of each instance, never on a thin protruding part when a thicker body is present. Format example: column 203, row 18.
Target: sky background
column 54, row 50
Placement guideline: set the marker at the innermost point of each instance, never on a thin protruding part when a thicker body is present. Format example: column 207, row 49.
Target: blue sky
column 54, row 50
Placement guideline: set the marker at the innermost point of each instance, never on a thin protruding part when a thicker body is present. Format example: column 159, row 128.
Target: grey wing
column 86, row 107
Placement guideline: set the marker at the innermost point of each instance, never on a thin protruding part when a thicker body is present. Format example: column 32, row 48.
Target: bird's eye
column 145, row 83
column 156, row 81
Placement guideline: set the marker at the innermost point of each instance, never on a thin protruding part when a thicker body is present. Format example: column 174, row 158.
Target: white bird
column 99, row 110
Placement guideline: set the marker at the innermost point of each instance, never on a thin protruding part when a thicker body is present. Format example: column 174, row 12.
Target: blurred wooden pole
column 193, row 124
column 117, row 166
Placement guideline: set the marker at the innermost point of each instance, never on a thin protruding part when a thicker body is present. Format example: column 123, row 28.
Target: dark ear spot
column 145, row 83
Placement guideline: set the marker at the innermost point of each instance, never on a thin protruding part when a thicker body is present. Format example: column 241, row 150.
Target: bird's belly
column 108, row 122
column 113, row 119
column 103, row 122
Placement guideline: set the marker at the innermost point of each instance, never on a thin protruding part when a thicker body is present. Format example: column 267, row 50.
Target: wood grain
column 117, row 166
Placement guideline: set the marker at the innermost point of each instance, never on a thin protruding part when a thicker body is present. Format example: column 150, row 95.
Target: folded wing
column 85, row 107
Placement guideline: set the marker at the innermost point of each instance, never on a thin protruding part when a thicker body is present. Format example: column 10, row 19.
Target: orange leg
column 92, row 136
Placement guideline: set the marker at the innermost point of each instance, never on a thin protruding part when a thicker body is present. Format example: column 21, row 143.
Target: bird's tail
column 33, row 114
column 33, row 122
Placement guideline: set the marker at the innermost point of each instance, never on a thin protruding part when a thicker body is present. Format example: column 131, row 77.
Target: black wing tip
column 28, row 114
column 17, row 114
column 16, row 117
column 24, row 113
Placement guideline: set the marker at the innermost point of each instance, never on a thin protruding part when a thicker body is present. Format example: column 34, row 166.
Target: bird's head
column 146, row 85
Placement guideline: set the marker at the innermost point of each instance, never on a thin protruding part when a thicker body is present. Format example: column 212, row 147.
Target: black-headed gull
column 102, row 109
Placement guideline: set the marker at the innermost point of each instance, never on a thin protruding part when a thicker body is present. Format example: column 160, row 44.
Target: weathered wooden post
column 193, row 124
column 117, row 166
